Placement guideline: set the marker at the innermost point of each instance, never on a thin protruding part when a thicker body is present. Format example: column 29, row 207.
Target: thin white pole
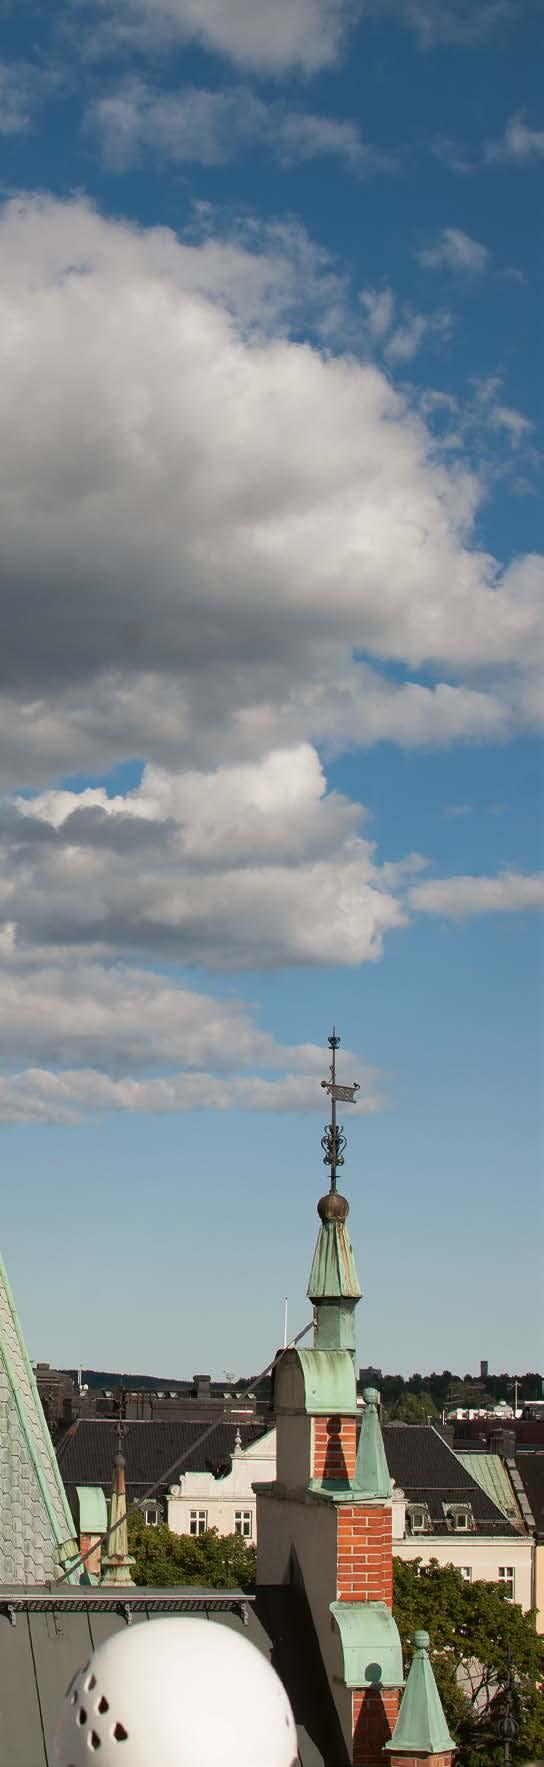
column 285, row 1318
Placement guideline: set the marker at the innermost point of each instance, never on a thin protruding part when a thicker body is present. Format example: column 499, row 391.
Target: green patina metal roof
column 93, row 1510
column 371, row 1471
column 371, row 1645
column 36, row 1526
column 421, row 1727
column 329, row 1382
column 489, row 1472
column 333, row 1275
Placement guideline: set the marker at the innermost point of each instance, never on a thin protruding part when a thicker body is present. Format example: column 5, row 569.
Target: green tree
column 212, row 1560
column 474, row 1631
column 414, row 1408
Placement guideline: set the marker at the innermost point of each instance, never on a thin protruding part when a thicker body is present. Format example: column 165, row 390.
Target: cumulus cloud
column 301, row 34
column 252, row 866
column 459, row 897
column 455, row 250
column 212, row 127
column 519, row 142
column 237, row 516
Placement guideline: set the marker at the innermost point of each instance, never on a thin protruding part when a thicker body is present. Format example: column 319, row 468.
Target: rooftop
column 152, row 1446
column 428, row 1471
column 45, row 1640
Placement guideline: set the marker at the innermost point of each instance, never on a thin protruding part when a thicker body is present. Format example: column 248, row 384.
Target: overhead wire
column 165, row 1477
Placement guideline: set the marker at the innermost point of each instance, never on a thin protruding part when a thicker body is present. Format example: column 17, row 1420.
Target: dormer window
column 459, row 1517
column 419, row 1521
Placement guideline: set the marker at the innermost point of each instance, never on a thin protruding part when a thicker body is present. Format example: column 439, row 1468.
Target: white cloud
column 302, row 34
column 73, row 1013
column 400, row 334
column 438, row 22
column 15, row 98
column 459, row 897
column 455, row 250
column 37, row 1095
column 212, row 127
column 519, row 143
column 413, row 331
column 516, row 425
column 379, row 309
column 252, row 866
column 193, row 567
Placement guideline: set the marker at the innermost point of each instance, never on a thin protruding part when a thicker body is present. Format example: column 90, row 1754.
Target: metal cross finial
column 121, row 1433
column 334, row 1141
column 121, row 1427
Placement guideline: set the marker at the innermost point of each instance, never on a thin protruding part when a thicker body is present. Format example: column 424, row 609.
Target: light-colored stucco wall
column 483, row 1555
column 539, row 1587
column 221, row 1498
column 310, row 1530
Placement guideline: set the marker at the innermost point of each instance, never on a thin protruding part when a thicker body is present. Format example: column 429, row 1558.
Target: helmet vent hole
column 90, row 1683
column 103, row 1704
column 82, row 1716
column 94, row 1740
column 119, row 1733
column 73, row 1697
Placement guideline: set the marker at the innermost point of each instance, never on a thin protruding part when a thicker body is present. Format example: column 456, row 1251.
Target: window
column 507, row 1577
column 198, row 1521
column 151, row 1515
column 459, row 1517
column 466, row 1572
column 242, row 1523
column 419, row 1520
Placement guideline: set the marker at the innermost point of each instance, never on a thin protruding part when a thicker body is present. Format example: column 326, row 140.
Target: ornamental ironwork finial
column 334, row 1141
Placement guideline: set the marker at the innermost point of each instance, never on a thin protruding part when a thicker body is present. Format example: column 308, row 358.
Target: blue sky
column 271, row 673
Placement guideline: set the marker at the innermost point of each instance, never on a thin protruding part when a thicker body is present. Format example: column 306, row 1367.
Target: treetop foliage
column 475, row 1634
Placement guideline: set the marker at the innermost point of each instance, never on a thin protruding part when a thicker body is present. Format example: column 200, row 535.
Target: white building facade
column 200, row 1501
column 482, row 1558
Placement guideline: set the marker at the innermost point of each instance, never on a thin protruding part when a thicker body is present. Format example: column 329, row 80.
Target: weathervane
column 334, row 1141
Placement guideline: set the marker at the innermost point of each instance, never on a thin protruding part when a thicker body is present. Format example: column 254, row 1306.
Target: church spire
column 334, row 1284
column 117, row 1564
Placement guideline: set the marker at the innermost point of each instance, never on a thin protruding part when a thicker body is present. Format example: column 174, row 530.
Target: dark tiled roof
column 429, row 1472
column 39, row 1658
column 85, row 1454
column 530, row 1467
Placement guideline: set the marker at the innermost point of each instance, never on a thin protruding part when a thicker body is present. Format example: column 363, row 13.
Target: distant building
column 152, row 1451
column 69, row 1394
column 443, row 1510
column 200, row 1501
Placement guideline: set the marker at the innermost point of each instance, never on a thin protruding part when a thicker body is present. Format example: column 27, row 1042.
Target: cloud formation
column 519, row 142
column 463, row 22
column 455, row 250
column 459, row 897
column 400, row 332
column 302, row 34
column 238, row 516
column 212, row 127
column 37, row 1095
column 232, row 870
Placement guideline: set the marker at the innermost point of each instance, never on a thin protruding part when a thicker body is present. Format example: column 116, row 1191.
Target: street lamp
column 507, row 1725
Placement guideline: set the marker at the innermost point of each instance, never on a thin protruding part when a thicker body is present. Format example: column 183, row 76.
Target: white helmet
column 177, row 1693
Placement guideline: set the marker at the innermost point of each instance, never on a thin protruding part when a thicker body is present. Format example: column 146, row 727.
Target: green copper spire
column 421, row 1727
column 36, row 1527
column 334, row 1284
column 117, row 1562
column 371, row 1471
